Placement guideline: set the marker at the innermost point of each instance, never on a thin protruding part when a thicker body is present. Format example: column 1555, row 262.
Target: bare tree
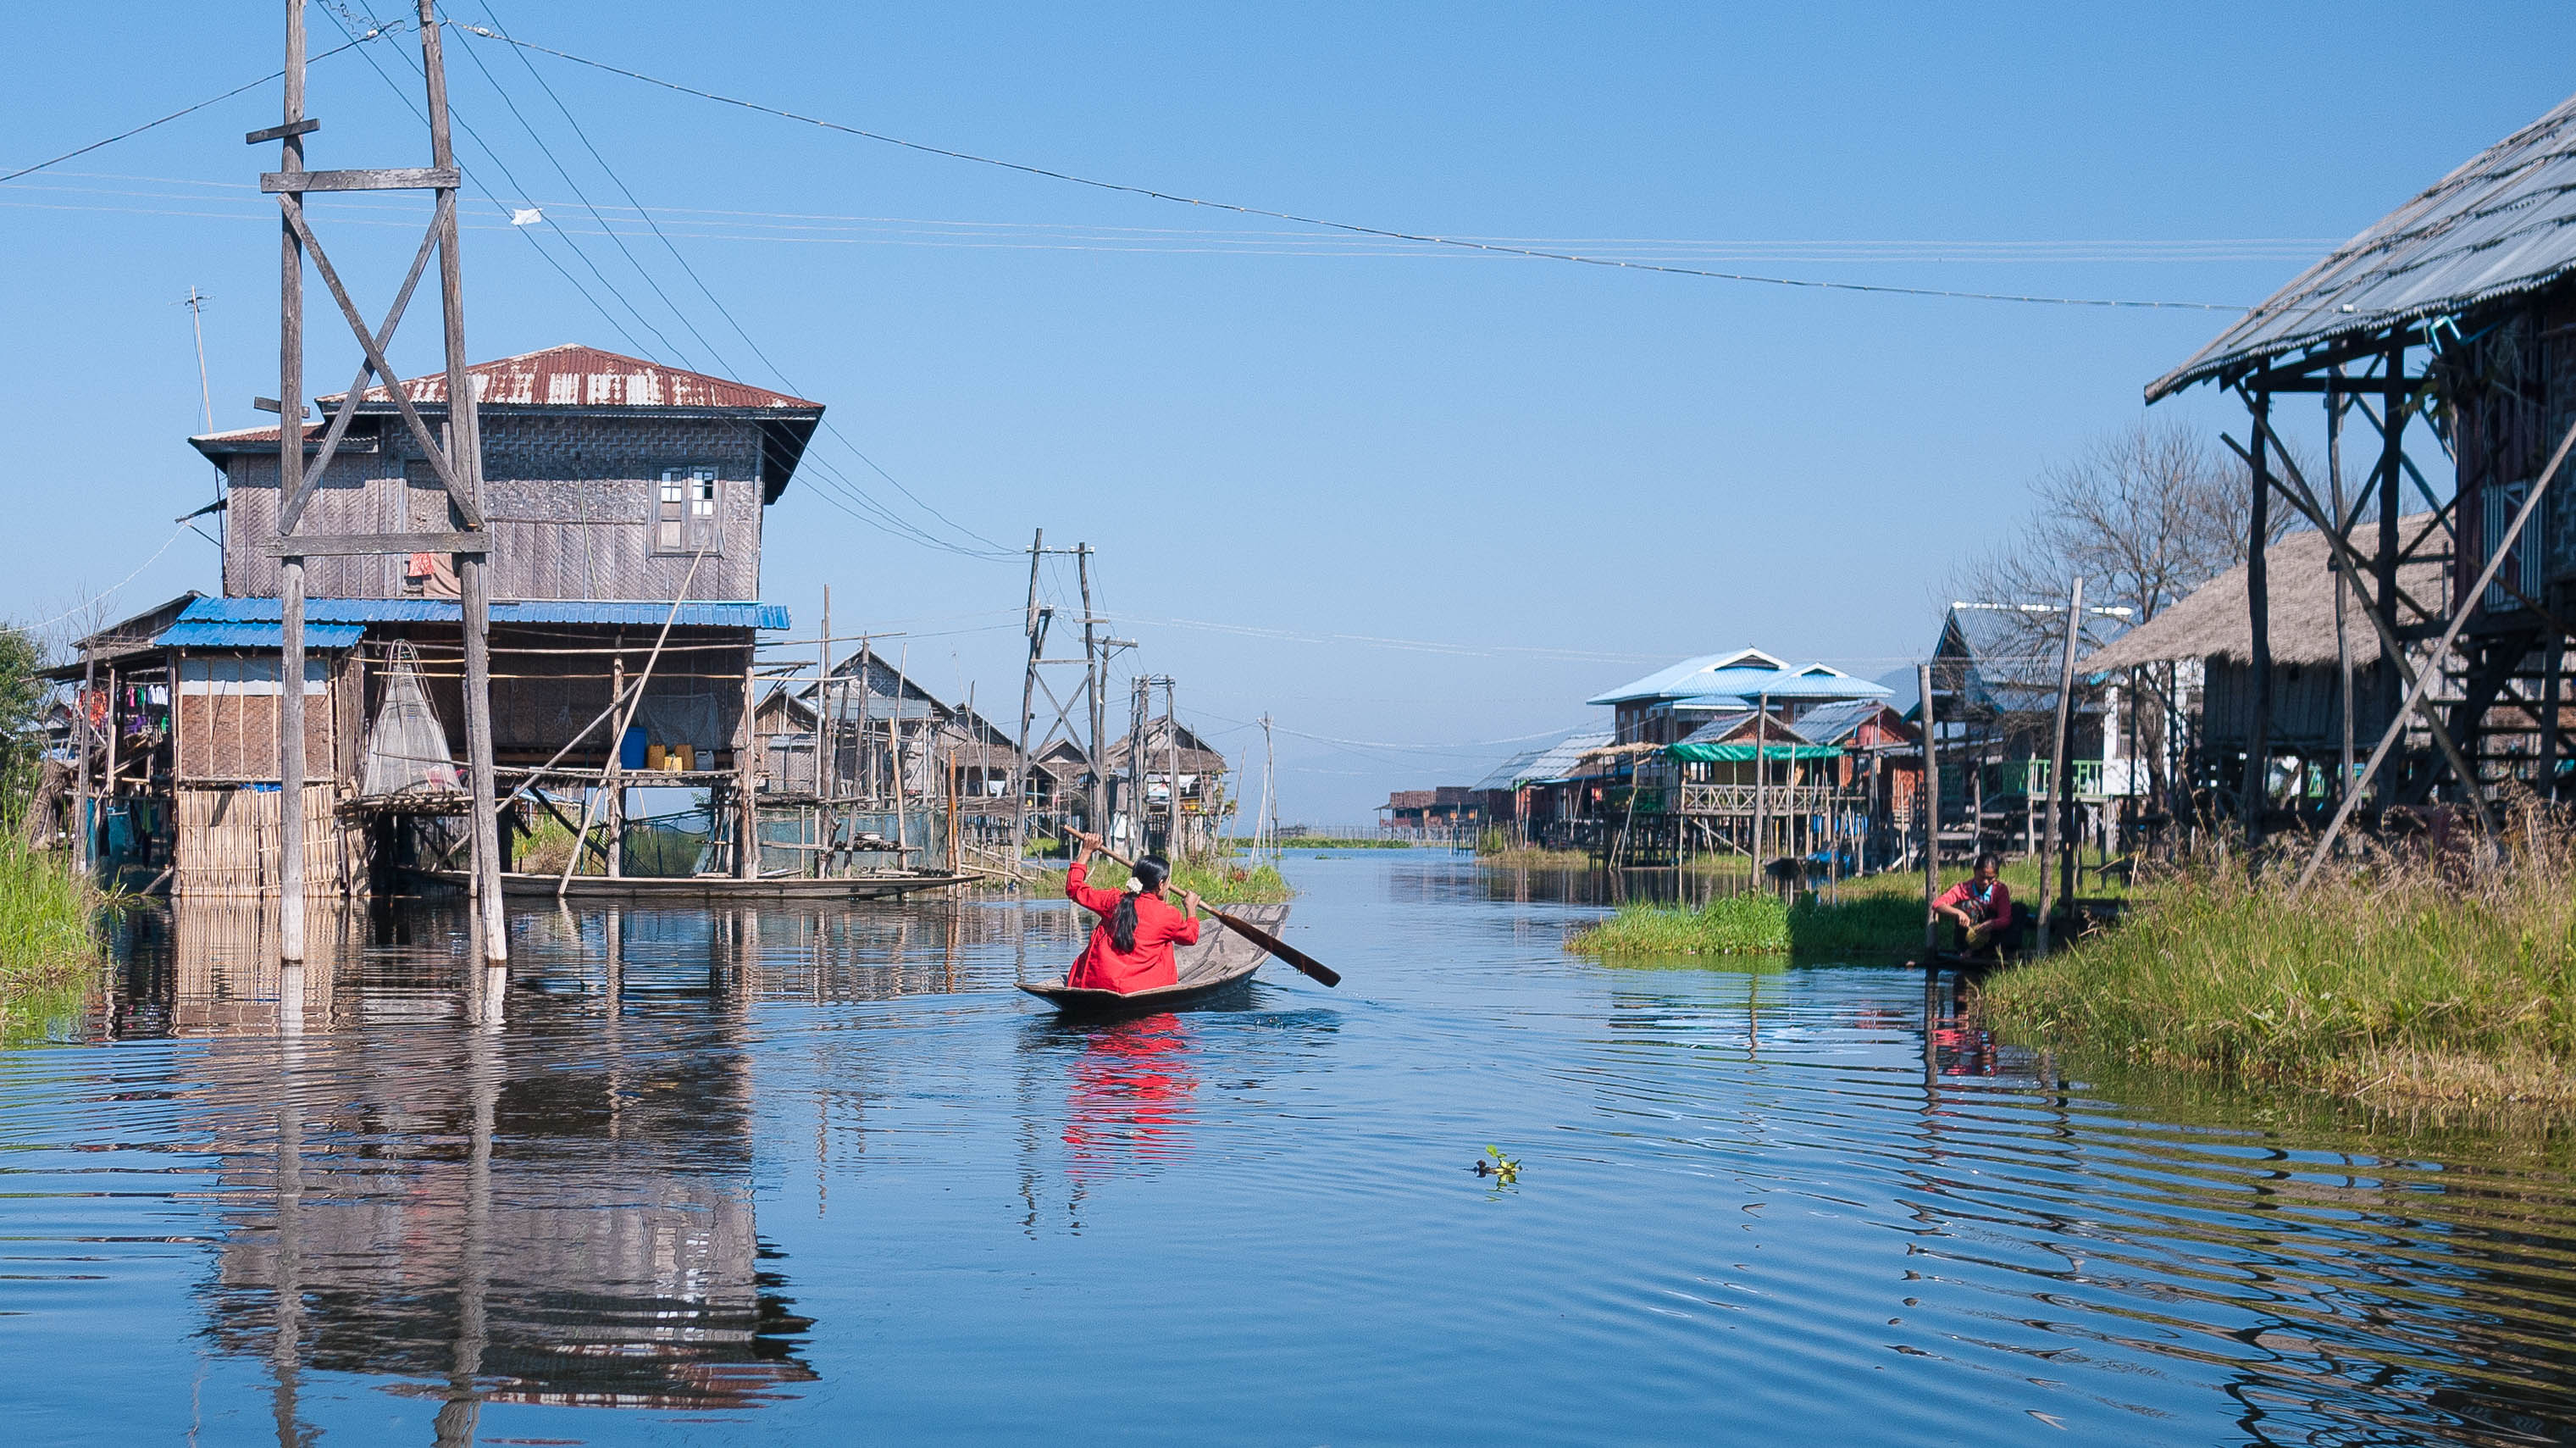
column 2145, row 514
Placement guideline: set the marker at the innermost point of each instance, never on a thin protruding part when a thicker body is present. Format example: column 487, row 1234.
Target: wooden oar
column 1305, row 964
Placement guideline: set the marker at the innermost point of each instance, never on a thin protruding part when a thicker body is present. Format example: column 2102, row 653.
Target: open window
column 686, row 512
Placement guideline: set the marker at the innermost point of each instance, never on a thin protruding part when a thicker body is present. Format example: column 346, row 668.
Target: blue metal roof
column 1743, row 674
column 217, row 634
column 534, row 610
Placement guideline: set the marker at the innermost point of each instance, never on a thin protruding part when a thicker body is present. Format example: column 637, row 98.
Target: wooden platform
column 711, row 887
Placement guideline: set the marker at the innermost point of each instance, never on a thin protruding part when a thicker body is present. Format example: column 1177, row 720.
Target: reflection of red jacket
column 1158, row 928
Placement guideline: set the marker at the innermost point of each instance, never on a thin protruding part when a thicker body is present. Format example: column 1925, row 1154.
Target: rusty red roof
column 573, row 375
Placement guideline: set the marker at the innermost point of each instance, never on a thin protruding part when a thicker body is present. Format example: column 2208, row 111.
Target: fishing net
column 407, row 748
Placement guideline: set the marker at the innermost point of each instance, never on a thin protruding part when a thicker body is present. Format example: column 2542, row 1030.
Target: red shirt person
column 1981, row 906
column 1139, row 915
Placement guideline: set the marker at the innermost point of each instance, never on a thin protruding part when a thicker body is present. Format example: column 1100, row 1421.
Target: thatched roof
column 2213, row 623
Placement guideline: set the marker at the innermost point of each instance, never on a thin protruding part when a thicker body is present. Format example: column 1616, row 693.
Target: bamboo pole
column 2057, row 758
column 1928, row 803
column 626, row 720
column 1761, row 797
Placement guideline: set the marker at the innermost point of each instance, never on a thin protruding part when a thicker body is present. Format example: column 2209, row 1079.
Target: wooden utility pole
column 2057, row 792
column 1035, row 625
column 826, row 728
column 1172, row 779
column 457, row 457
column 1094, row 648
column 1928, row 802
column 290, row 484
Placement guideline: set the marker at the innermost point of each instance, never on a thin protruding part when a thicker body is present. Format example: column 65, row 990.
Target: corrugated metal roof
column 1560, row 759
column 1743, row 674
column 2503, row 223
column 1716, row 730
column 744, row 614
column 218, row 634
column 573, row 375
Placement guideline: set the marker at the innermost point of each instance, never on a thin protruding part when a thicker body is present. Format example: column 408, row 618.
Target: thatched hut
column 2213, row 629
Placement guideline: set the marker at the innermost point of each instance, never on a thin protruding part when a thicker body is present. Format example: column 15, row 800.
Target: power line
column 186, row 110
column 1353, row 228
column 992, row 549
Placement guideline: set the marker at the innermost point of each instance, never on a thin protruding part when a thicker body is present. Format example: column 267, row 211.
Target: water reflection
column 1755, row 1193
column 559, row 1212
column 1129, row 1098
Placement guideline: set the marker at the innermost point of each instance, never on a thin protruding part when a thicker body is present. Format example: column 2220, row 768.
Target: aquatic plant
column 2393, row 980
column 1503, row 1169
column 1218, row 883
column 49, row 917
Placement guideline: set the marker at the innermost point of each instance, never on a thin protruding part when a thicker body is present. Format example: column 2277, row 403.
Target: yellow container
column 682, row 757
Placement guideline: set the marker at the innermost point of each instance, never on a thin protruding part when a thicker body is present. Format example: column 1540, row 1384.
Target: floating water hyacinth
column 1504, row 1170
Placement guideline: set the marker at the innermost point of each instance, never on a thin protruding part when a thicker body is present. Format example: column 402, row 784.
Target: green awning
column 1743, row 753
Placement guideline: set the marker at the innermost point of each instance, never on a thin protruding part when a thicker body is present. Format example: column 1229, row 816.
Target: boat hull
column 1220, row 965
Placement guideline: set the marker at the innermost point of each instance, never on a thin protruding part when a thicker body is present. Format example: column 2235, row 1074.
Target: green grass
column 49, row 929
column 1759, row 925
column 2392, row 983
column 1217, row 884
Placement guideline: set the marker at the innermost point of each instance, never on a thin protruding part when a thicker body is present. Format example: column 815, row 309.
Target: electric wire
column 990, row 548
column 353, row 44
column 1353, row 228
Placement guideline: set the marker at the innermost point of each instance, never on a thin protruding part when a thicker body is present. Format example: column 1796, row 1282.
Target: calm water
column 786, row 1172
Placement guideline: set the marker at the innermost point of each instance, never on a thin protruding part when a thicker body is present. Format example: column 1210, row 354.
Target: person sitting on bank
column 1983, row 909
column 1131, row 947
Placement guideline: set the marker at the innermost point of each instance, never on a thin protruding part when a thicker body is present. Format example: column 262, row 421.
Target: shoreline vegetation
column 49, row 934
column 1217, row 883
column 1875, row 914
column 2398, row 983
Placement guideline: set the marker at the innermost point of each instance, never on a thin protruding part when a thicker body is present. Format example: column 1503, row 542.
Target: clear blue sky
column 1572, row 475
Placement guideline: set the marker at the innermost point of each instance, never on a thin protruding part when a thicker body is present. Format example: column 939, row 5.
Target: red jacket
column 1158, row 928
column 1963, row 897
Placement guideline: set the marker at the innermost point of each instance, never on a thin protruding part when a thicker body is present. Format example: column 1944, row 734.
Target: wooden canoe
column 711, row 887
column 1220, row 964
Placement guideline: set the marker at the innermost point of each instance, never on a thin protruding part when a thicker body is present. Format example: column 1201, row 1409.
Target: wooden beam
column 393, row 178
column 351, row 545
column 303, row 127
column 457, row 493
column 349, row 400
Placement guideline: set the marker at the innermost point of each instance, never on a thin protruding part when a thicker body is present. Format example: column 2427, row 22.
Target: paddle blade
column 1305, row 963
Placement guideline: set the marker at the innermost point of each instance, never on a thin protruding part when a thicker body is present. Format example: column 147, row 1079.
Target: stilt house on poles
column 624, row 503
column 2441, row 343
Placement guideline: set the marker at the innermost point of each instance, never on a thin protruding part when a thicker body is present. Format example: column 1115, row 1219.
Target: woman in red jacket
column 1131, row 947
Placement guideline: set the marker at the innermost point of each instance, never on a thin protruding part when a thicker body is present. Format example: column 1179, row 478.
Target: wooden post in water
column 2257, row 787
column 1928, row 803
column 290, row 484
column 1761, row 727
column 2057, row 793
column 746, row 829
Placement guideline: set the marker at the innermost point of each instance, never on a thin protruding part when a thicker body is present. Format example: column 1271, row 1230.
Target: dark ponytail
column 1150, row 873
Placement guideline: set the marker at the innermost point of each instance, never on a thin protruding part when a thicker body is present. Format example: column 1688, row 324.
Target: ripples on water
column 771, row 1172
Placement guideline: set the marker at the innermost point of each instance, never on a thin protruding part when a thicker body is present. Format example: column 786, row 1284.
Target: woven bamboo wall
column 228, row 723
column 229, row 843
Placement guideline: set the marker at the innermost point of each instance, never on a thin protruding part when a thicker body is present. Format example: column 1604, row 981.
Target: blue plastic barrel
column 630, row 751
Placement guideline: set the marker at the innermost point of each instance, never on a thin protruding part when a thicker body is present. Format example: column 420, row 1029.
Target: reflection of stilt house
column 613, row 487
